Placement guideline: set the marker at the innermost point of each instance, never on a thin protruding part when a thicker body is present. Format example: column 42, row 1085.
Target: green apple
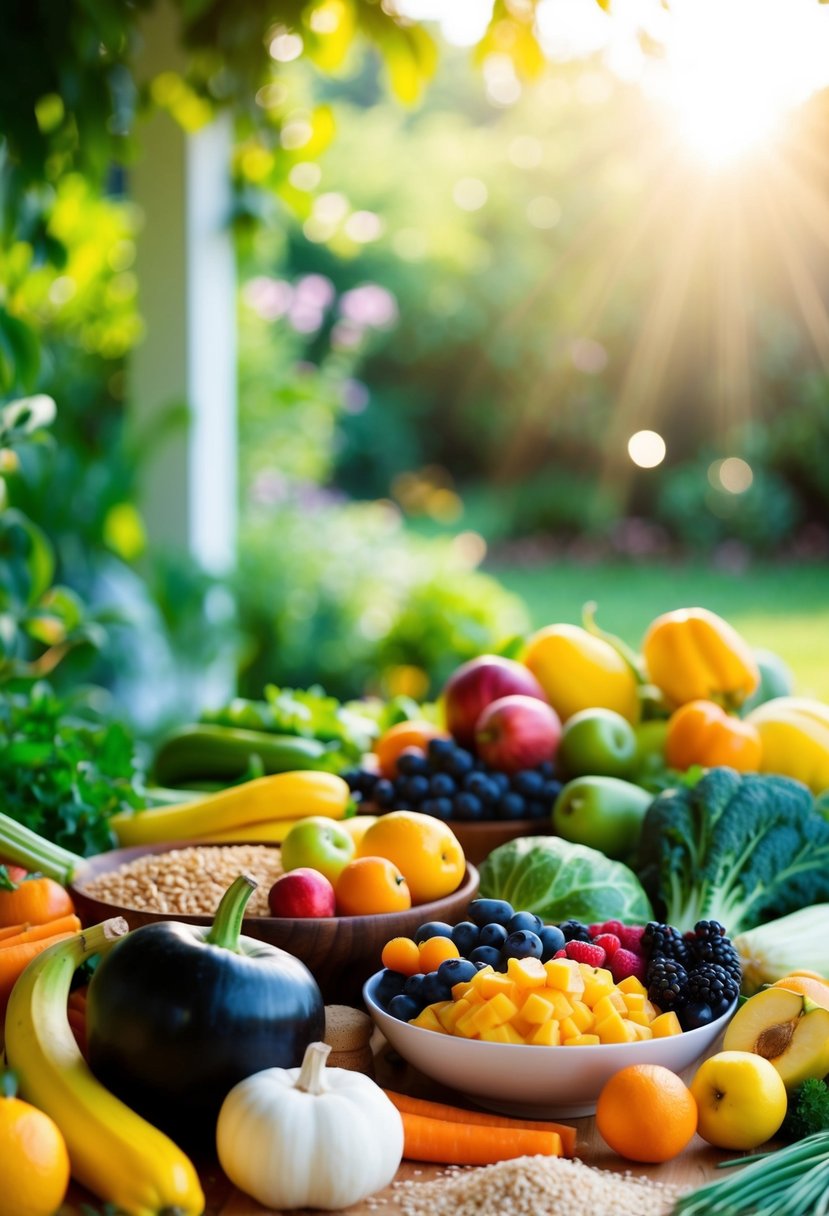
column 597, row 741
column 650, row 749
column 318, row 843
column 603, row 813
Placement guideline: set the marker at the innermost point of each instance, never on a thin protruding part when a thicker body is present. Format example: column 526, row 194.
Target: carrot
column 447, row 1143
column 15, row 959
column 37, row 933
column 480, row 1118
column 12, row 931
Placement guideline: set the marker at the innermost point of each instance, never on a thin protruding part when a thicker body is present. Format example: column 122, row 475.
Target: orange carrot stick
column 480, row 1118
column 15, row 959
column 445, row 1143
column 13, row 931
column 37, row 933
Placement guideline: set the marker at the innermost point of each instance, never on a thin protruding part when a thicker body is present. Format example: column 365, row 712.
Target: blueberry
column 487, row 955
column 383, row 793
column 551, row 791
column 404, row 1007
column 414, row 788
column 352, row 778
column 481, row 786
column 522, row 944
column 442, row 785
column 537, row 809
column 465, row 936
column 511, row 806
column 413, row 983
column 411, row 764
column 546, row 768
column 439, row 808
column 482, row 911
column 456, row 971
column 434, row 988
column 529, row 782
column 501, row 782
column 525, row 920
column 468, row 806
column 432, row 928
column 493, row 934
column 400, row 804
column 389, row 984
column 459, row 763
column 439, row 751
column 552, row 940
column 575, row 931
column 694, row 1014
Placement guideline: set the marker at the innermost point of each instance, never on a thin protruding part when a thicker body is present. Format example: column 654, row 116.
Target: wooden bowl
column 479, row 839
column 340, row 951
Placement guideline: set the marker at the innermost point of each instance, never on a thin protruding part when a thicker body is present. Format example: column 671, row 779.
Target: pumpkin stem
column 311, row 1079
column 227, row 926
column 8, row 1083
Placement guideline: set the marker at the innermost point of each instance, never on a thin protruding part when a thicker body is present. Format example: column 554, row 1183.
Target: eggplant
column 178, row 1014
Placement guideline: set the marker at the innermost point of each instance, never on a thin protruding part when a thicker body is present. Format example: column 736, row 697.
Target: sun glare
column 734, row 69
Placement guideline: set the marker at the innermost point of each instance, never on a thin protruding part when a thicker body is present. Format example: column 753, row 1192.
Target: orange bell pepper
column 693, row 654
column 703, row 733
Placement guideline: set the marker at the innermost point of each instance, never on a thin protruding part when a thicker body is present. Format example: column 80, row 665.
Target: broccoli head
column 737, row 848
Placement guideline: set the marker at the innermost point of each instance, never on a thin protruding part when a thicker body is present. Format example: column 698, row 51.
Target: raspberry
column 631, row 937
column 624, row 963
column 560, row 954
column 608, row 926
column 609, row 942
column 585, row 952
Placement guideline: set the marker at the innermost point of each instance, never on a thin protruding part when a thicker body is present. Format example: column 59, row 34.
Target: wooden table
column 691, row 1169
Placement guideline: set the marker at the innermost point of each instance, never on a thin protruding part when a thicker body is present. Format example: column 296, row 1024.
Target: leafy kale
column 64, row 769
column 808, row 1110
column 740, row 849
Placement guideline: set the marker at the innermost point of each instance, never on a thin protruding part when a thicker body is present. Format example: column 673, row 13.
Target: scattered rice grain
column 536, row 1186
column 189, row 882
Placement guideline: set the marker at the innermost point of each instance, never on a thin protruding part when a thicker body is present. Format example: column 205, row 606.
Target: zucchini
column 222, row 753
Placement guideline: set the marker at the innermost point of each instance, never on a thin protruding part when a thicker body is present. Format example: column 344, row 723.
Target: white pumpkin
column 312, row 1136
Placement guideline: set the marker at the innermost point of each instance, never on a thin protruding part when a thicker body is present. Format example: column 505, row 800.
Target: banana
column 280, row 796
column 113, row 1151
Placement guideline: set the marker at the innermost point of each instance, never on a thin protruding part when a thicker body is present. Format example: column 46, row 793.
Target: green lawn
column 782, row 608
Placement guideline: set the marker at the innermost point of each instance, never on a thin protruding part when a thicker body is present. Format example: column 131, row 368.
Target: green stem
column 24, row 847
column 8, row 1083
column 227, row 926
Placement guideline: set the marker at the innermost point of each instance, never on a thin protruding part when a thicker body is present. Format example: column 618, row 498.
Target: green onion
column 794, row 1181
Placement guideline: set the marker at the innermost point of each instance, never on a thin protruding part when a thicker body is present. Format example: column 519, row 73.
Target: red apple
column 302, row 893
column 478, row 683
column 517, row 732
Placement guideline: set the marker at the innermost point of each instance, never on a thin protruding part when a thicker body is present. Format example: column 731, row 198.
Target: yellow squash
column 578, row 670
column 280, row 796
column 794, row 732
column 112, row 1151
column 694, row 655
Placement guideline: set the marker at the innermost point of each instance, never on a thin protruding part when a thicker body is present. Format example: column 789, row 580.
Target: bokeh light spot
column 646, row 449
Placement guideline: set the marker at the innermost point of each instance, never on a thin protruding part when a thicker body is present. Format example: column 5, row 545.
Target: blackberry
column 711, row 984
column 663, row 941
column 667, row 983
column 575, row 931
column 709, row 944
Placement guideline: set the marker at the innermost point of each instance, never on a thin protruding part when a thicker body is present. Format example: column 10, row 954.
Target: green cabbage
column 562, row 881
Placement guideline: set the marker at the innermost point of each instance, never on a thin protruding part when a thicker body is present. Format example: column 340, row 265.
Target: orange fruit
column 399, row 738
column 34, row 1163
column 646, row 1113
column 436, row 950
column 425, row 850
column 369, row 885
column 401, row 954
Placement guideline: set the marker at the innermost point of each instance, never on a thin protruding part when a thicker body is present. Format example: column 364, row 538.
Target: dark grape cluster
column 447, row 781
column 697, row 975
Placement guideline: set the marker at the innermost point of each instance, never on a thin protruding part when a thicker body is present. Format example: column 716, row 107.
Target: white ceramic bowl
column 536, row 1082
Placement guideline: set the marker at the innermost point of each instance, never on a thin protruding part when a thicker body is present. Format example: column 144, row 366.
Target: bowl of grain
column 184, row 881
column 532, row 1081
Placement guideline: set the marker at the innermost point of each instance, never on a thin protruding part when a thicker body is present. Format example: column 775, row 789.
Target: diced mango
column 490, row 985
column 582, row 1040
column 498, row 1034
column 600, row 974
column 494, row 1012
column 564, row 974
column 582, row 1016
column 427, row 1019
column 639, row 1017
column 465, row 1025
column 595, row 989
column 569, row 1029
column 455, row 1010
column 651, row 1010
column 633, row 1000
column 641, row 1032
column 664, row 1025
column 523, row 1028
column 614, row 1029
column 613, row 1000
column 461, row 989
column 537, row 1009
column 527, row 972
column 562, row 1005
column 548, row 1035
column 632, row 984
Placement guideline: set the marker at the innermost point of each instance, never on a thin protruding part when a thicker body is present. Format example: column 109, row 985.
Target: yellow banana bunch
column 113, row 1151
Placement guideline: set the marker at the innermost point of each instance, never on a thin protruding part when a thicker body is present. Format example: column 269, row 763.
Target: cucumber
column 223, row 753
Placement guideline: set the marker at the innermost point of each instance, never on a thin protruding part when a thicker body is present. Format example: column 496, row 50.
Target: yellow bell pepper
column 694, row 655
column 794, row 732
column 578, row 670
